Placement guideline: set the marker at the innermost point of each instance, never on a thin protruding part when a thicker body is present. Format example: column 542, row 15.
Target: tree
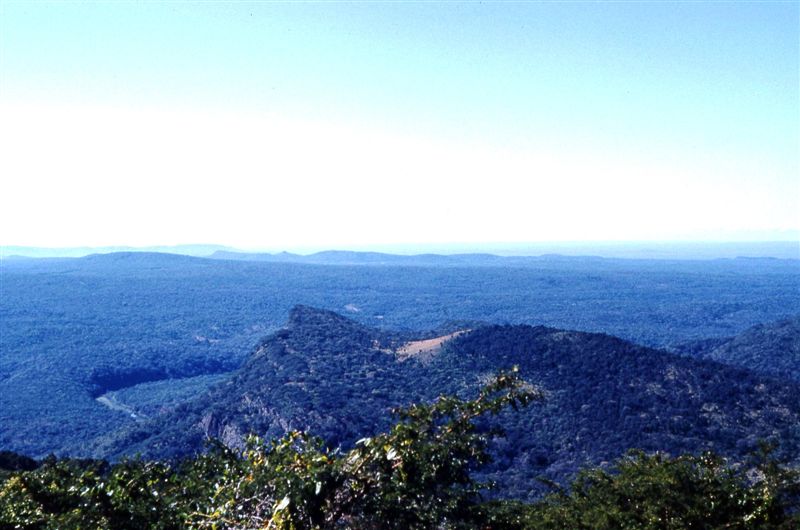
column 659, row 492
column 417, row 475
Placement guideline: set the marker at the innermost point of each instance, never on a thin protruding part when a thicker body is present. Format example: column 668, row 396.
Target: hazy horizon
column 660, row 250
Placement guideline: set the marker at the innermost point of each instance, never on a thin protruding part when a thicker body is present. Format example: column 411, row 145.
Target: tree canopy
column 416, row 475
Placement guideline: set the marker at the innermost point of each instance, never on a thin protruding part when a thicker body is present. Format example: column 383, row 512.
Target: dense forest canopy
column 146, row 332
column 108, row 357
column 417, row 474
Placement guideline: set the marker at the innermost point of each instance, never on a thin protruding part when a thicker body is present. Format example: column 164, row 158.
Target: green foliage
column 417, row 475
column 11, row 461
column 658, row 492
column 75, row 494
column 104, row 323
column 338, row 379
column 285, row 483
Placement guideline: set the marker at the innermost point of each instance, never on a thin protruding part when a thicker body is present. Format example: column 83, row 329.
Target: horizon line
column 627, row 249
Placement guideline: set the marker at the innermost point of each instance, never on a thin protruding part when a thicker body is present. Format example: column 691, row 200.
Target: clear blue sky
column 275, row 124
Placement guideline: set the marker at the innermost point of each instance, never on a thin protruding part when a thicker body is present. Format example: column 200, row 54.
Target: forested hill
column 772, row 349
column 338, row 378
column 79, row 336
column 321, row 372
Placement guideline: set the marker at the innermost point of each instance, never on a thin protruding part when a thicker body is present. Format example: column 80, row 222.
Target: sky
column 282, row 125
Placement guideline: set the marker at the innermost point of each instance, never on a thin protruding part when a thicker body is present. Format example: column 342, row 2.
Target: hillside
column 419, row 474
column 157, row 329
column 771, row 349
column 338, row 379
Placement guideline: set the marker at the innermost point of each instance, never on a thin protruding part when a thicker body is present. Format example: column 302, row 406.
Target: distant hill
column 7, row 251
column 771, row 349
column 786, row 247
column 338, row 378
column 344, row 257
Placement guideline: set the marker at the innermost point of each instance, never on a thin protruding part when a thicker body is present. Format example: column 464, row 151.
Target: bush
column 417, row 475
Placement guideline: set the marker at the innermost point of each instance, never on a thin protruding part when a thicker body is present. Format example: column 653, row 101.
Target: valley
column 121, row 354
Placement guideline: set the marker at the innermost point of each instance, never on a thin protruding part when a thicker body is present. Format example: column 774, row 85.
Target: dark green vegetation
column 416, row 475
column 338, row 379
column 10, row 462
column 150, row 327
column 643, row 491
column 771, row 349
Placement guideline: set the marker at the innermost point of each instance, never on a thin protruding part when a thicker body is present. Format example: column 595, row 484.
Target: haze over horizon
column 654, row 250
column 267, row 125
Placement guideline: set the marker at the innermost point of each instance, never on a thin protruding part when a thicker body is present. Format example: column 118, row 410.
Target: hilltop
column 80, row 336
column 771, row 349
column 339, row 379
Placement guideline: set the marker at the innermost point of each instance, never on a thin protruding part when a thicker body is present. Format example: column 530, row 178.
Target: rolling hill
column 153, row 330
column 771, row 349
column 338, row 379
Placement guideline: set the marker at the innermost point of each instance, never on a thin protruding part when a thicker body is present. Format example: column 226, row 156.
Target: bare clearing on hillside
column 424, row 350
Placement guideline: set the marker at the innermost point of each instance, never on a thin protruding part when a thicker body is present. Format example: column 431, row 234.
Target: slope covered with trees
column 338, row 379
column 416, row 475
column 771, row 349
column 152, row 327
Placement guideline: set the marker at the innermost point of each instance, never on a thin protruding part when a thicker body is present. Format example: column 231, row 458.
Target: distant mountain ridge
column 141, row 257
column 343, row 257
column 638, row 250
column 200, row 250
column 337, row 378
column 346, row 257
